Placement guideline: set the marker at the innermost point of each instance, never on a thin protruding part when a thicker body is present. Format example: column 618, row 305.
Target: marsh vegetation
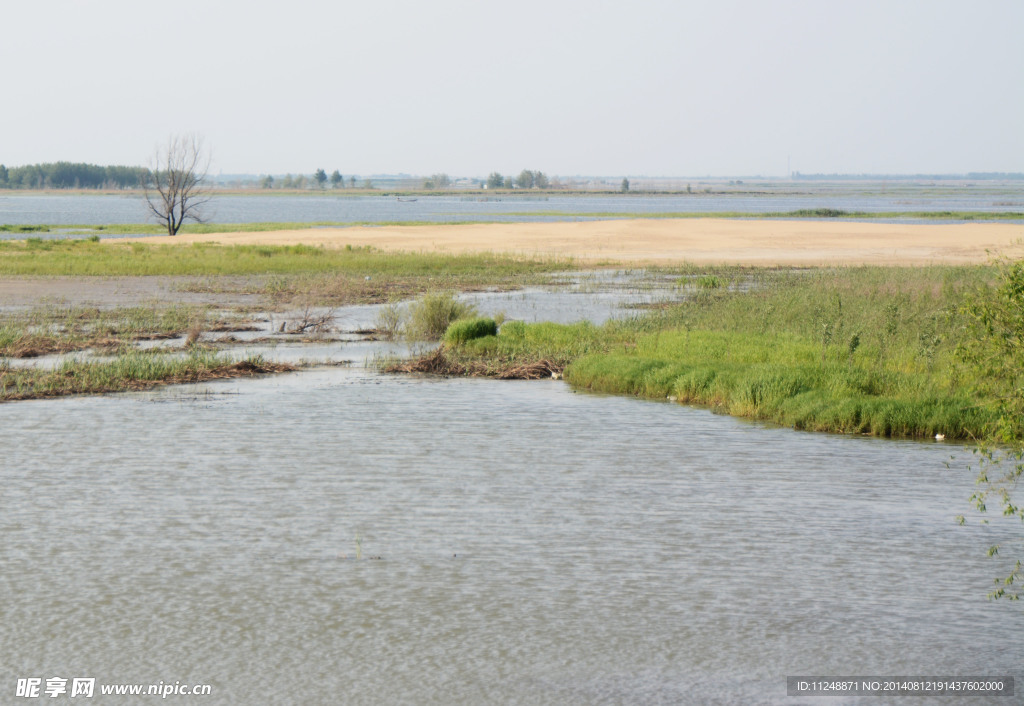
column 301, row 283
column 57, row 328
column 862, row 350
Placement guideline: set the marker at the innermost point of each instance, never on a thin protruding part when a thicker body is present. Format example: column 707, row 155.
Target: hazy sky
column 468, row 87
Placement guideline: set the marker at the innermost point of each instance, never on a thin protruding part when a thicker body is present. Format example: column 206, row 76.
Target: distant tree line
column 526, row 180
column 301, row 181
column 437, row 181
column 69, row 175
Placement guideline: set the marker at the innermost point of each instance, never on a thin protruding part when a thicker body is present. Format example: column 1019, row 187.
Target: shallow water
column 535, row 545
column 595, row 296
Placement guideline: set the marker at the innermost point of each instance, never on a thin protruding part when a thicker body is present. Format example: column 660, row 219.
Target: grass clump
column 131, row 371
column 710, row 282
column 431, row 315
column 464, row 330
column 430, row 318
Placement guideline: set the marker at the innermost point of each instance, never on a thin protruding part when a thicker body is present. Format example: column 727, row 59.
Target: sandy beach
column 666, row 241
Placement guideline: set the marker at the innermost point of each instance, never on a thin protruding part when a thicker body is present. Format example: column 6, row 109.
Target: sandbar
column 754, row 242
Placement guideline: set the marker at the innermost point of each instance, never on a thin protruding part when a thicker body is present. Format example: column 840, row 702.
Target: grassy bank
column 35, row 256
column 854, row 350
column 780, row 378
column 133, row 371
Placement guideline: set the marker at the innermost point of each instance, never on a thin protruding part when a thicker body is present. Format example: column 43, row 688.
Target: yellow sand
column 666, row 241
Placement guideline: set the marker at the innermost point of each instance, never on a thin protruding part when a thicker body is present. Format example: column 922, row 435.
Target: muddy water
column 535, row 545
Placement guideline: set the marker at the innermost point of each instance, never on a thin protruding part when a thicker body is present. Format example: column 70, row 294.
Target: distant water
column 18, row 209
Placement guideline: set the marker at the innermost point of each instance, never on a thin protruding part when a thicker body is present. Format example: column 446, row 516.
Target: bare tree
column 175, row 185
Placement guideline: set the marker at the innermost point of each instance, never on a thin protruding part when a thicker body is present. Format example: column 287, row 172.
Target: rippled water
column 537, row 546
column 519, row 542
column 18, row 208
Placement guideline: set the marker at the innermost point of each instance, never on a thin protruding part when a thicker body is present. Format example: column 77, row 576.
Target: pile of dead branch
column 441, row 362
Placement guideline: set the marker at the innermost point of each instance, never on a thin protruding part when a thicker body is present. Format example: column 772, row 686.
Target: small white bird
column 940, row 437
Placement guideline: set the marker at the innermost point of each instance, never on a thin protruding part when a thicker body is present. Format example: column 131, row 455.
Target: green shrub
column 432, row 314
column 468, row 329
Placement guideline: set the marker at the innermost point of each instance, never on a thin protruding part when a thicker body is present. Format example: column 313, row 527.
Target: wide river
column 19, row 209
column 339, row 536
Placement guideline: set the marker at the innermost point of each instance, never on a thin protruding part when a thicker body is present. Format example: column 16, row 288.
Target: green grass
column 464, row 330
column 519, row 341
column 781, row 378
column 25, row 228
column 81, row 257
column 867, row 350
column 293, row 275
column 711, row 282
